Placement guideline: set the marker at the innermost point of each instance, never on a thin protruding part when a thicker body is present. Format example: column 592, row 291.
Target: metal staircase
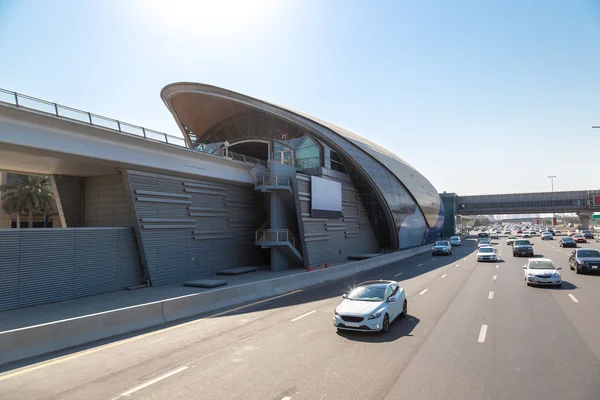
column 282, row 238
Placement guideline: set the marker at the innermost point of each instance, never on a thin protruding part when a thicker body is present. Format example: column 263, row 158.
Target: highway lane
column 107, row 372
column 538, row 344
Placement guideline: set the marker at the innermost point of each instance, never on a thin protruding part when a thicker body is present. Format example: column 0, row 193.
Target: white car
column 542, row 271
column 547, row 236
column 507, row 232
column 486, row 253
column 371, row 306
column 526, row 234
column 484, row 242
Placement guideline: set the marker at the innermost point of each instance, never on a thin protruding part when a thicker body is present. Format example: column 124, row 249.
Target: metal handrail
column 272, row 179
column 276, row 235
column 32, row 103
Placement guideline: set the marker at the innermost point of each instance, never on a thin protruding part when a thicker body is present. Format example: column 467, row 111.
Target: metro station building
column 254, row 184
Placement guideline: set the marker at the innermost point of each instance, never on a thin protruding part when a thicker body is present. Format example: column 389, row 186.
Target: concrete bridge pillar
column 584, row 218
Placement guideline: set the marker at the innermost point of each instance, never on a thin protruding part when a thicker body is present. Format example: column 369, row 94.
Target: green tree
column 29, row 193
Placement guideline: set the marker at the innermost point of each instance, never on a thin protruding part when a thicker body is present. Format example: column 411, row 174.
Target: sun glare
column 207, row 17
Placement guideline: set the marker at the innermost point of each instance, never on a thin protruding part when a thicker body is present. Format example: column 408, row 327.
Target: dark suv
column 522, row 247
column 585, row 260
column 587, row 234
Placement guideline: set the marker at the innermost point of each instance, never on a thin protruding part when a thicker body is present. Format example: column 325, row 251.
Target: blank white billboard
column 326, row 198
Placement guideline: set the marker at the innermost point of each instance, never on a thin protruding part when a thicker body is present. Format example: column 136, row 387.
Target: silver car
column 455, row 241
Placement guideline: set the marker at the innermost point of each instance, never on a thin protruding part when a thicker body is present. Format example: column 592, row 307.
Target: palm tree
column 27, row 193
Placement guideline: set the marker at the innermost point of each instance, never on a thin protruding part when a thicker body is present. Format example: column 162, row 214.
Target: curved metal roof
column 217, row 104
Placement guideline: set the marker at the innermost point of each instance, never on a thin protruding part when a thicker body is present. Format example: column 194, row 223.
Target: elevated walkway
column 42, row 137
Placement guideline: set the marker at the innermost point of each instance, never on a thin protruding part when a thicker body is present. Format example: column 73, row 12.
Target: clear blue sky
column 480, row 96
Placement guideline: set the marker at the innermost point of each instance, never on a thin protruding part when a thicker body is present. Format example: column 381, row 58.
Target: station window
column 308, row 154
column 336, row 162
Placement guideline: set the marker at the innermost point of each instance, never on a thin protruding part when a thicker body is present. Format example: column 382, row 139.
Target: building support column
column 584, row 218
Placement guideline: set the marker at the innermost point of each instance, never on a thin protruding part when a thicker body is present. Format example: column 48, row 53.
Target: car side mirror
column 559, row 268
column 391, row 300
column 524, row 266
column 345, row 295
column 532, row 244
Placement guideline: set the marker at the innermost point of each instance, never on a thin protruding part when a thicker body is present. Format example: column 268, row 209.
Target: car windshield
column 522, row 243
column 541, row 264
column 441, row 243
column 588, row 253
column 454, row 238
column 578, row 235
column 567, row 239
column 586, row 231
column 486, row 250
column 511, row 237
column 368, row 293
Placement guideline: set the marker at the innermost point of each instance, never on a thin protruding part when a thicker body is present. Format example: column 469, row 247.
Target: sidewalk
column 35, row 315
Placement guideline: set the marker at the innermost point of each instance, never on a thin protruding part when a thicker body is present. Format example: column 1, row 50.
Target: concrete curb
column 31, row 341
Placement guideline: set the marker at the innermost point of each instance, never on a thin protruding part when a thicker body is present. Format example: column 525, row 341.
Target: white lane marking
column 287, row 398
column 443, row 276
column 131, row 339
column 560, row 251
column 482, row 334
column 419, row 265
column 153, row 381
column 497, row 265
column 495, row 276
column 423, row 292
column 398, row 274
column 491, row 295
column 573, row 298
column 433, row 258
column 304, row 315
column 456, row 265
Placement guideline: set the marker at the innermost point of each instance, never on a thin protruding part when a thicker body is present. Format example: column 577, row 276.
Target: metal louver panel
column 40, row 266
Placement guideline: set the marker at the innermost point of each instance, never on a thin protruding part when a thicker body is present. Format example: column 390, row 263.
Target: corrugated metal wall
column 45, row 265
column 192, row 228
column 105, row 202
column 333, row 240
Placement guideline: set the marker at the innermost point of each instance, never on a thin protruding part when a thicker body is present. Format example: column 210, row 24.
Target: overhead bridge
column 529, row 203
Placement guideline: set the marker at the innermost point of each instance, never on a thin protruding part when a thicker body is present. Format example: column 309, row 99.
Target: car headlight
column 556, row 274
column 336, row 313
column 530, row 274
column 377, row 313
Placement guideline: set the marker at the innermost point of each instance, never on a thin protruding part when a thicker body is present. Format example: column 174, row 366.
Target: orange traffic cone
column 325, row 265
column 309, row 269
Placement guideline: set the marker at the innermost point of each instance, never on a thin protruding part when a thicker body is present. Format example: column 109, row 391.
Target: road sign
column 596, row 216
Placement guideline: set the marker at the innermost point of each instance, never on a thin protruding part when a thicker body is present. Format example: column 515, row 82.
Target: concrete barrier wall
column 41, row 339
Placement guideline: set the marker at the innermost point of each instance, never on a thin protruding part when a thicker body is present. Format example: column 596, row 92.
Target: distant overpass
column 582, row 202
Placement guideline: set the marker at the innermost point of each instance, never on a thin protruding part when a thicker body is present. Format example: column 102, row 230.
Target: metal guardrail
column 276, row 235
column 270, row 179
column 57, row 110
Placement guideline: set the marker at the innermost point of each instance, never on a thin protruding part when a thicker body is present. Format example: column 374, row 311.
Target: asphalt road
column 474, row 331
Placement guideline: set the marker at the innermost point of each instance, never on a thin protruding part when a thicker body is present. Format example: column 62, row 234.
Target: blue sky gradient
column 479, row 96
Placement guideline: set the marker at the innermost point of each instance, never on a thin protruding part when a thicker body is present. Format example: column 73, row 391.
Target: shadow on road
column 399, row 328
column 566, row 285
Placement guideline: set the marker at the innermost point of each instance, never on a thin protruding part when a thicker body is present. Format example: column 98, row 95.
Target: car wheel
column 577, row 270
column 559, row 285
column 386, row 324
column 450, row 253
column 571, row 267
column 404, row 309
column 514, row 254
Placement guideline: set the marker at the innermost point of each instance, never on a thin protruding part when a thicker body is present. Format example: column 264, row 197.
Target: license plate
column 543, row 280
column 594, row 267
column 352, row 324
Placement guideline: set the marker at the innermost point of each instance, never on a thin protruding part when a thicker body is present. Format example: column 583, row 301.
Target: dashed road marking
column 153, row 381
column 423, row 292
column 419, row 265
column 495, row 276
column 497, row 265
column 482, row 334
column 456, row 265
column 573, row 298
column 398, row 274
column 304, row 315
column 443, row 276
column 491, row 295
